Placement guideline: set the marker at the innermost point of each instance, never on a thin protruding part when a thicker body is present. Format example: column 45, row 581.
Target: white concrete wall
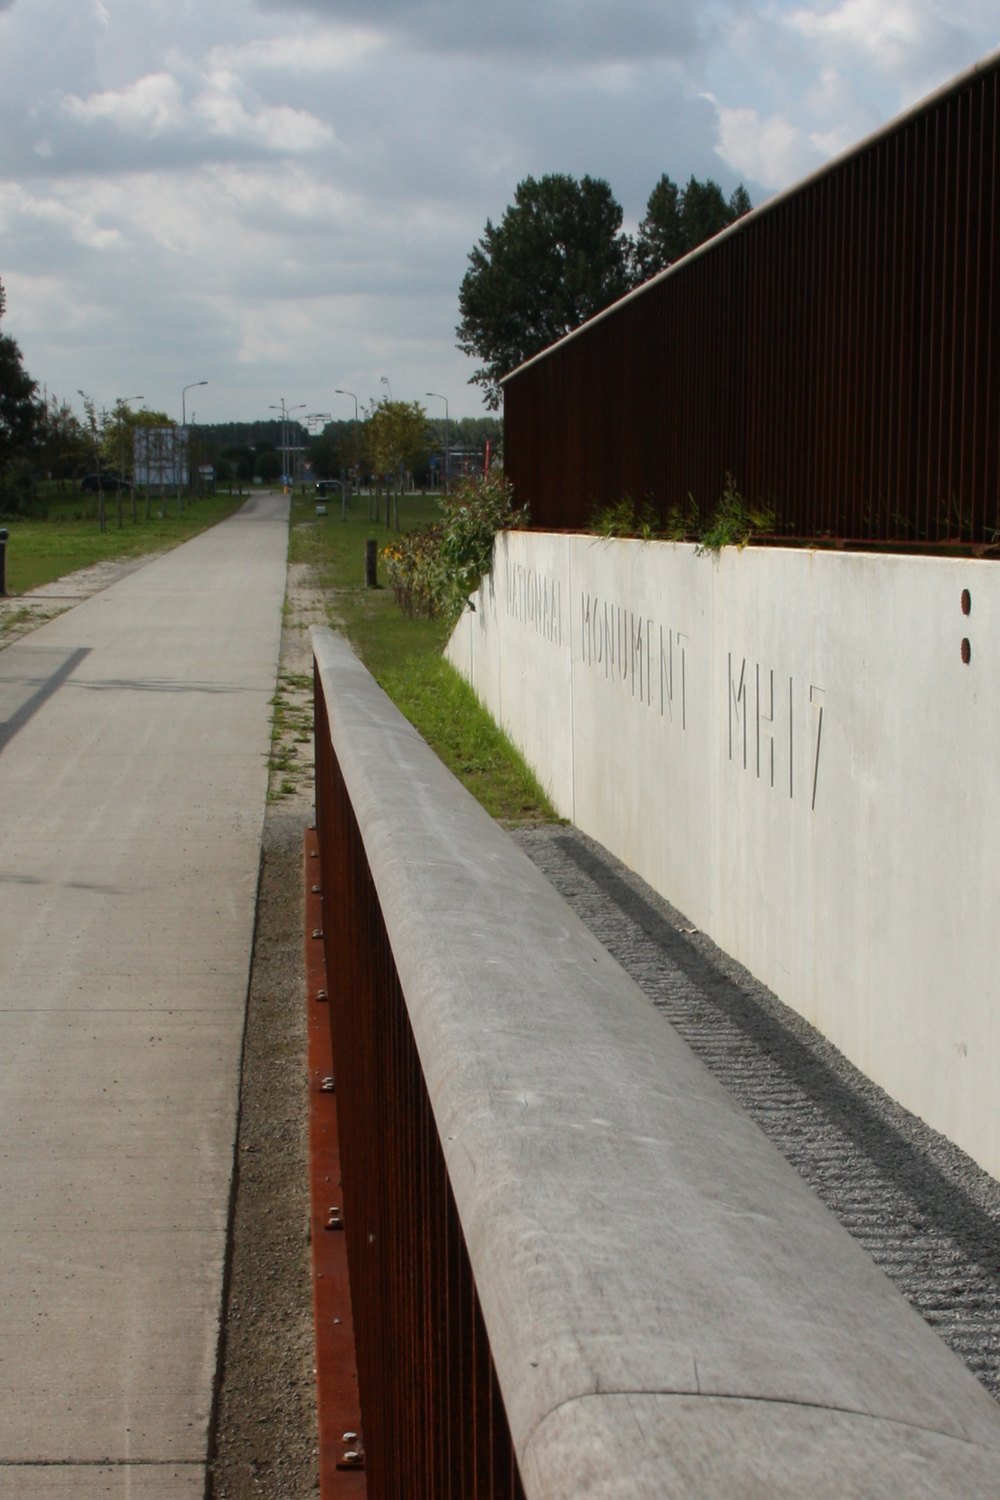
column 789, row 747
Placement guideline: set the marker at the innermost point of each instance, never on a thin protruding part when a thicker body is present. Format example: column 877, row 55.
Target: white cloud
column 561, row 32
column 155, row 106
column 152, row 105
column 26, row 215
column 767, row 149
column 338, row 49
column 888, row 29
column 908, row 47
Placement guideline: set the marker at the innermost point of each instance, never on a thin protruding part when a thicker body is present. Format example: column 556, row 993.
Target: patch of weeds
column 734, row 521
column 291, row 726
column 682, row 521
column 627, row 518
column 11, row 619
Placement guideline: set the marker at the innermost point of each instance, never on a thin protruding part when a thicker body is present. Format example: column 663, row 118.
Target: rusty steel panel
column 433, row 1423
column 836, row 353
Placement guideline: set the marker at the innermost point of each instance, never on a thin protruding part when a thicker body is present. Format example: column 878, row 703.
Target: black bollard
column 3, row 561
column 371, row 563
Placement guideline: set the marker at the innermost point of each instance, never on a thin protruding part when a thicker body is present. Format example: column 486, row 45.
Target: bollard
column 371, row 559
column 3, row 561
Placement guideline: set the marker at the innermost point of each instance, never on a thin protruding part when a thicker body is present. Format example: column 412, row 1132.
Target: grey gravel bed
column 924, row 1211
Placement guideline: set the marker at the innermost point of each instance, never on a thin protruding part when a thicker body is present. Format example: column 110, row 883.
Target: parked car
column 328, row 486
column 109, row 483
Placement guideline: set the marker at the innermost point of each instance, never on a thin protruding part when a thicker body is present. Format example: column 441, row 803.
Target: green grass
column 41, row 550
column 404, row 656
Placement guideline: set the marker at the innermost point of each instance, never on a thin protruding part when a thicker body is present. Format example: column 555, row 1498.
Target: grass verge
column 404, row 655
column 42, row 550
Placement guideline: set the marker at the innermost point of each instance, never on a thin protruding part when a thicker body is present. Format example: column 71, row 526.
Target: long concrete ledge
column 671, row 1312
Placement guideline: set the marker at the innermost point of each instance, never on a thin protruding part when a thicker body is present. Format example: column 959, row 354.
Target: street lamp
column 286, row 412
column 447, row 453
column 184, row 399
column 187, row 475
column 340, row 392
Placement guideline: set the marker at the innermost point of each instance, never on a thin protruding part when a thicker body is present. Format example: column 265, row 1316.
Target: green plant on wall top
column 627, row 517
column 734, row 522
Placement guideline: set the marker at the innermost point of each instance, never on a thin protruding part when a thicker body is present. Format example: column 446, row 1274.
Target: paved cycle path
column 134, row 733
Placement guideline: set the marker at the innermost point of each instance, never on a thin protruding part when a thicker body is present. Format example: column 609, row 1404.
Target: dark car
column 110, row 483
column 328, row 486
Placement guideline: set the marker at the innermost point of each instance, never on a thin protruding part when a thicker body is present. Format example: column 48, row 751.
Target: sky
column 279, row 197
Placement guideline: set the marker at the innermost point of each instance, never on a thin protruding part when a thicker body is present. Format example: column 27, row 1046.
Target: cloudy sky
column 279, row 196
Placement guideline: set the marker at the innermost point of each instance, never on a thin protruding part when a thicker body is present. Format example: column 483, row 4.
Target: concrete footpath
column 134, row 733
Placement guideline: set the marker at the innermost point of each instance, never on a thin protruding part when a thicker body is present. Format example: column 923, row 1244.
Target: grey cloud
column 548, row 32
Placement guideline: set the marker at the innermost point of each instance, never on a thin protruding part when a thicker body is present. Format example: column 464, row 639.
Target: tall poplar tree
column 680, row 219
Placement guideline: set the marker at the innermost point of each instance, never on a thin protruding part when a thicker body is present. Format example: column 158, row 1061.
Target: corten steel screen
column 836, row 353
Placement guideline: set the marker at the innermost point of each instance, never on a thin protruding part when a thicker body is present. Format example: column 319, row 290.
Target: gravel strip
column 926, row 1213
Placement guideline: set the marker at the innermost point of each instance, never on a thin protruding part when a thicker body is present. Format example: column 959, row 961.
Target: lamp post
column 283, row 443
column 123, row 401
column 286, row 412
column 340, row 392
column 187, row 475
column 184, row 399
column 447, row 446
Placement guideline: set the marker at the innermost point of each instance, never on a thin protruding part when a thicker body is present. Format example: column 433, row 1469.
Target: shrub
column 432, row 572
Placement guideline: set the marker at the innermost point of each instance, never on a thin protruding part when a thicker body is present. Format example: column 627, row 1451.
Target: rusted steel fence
column 836, row 353
column 577, row 1268
column 433, row 1422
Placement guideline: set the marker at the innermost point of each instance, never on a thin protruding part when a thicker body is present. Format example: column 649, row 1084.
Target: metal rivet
column 328, row 1086
column 321, row 994
column 317, row 889
column 350, row 1437
column 317, row 932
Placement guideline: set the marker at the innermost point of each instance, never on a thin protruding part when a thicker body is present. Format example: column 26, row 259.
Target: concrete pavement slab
column 121, row 1331
column 134, row 735
column 110, row 1481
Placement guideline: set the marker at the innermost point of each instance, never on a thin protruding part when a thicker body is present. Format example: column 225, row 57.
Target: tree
column 557, row 257
column 327, row 453
column 679, row 220
column 118, row 445
column 20, row 418
column 63, row 449
column 395, row 439
column 660, row 240
column 268, row 464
